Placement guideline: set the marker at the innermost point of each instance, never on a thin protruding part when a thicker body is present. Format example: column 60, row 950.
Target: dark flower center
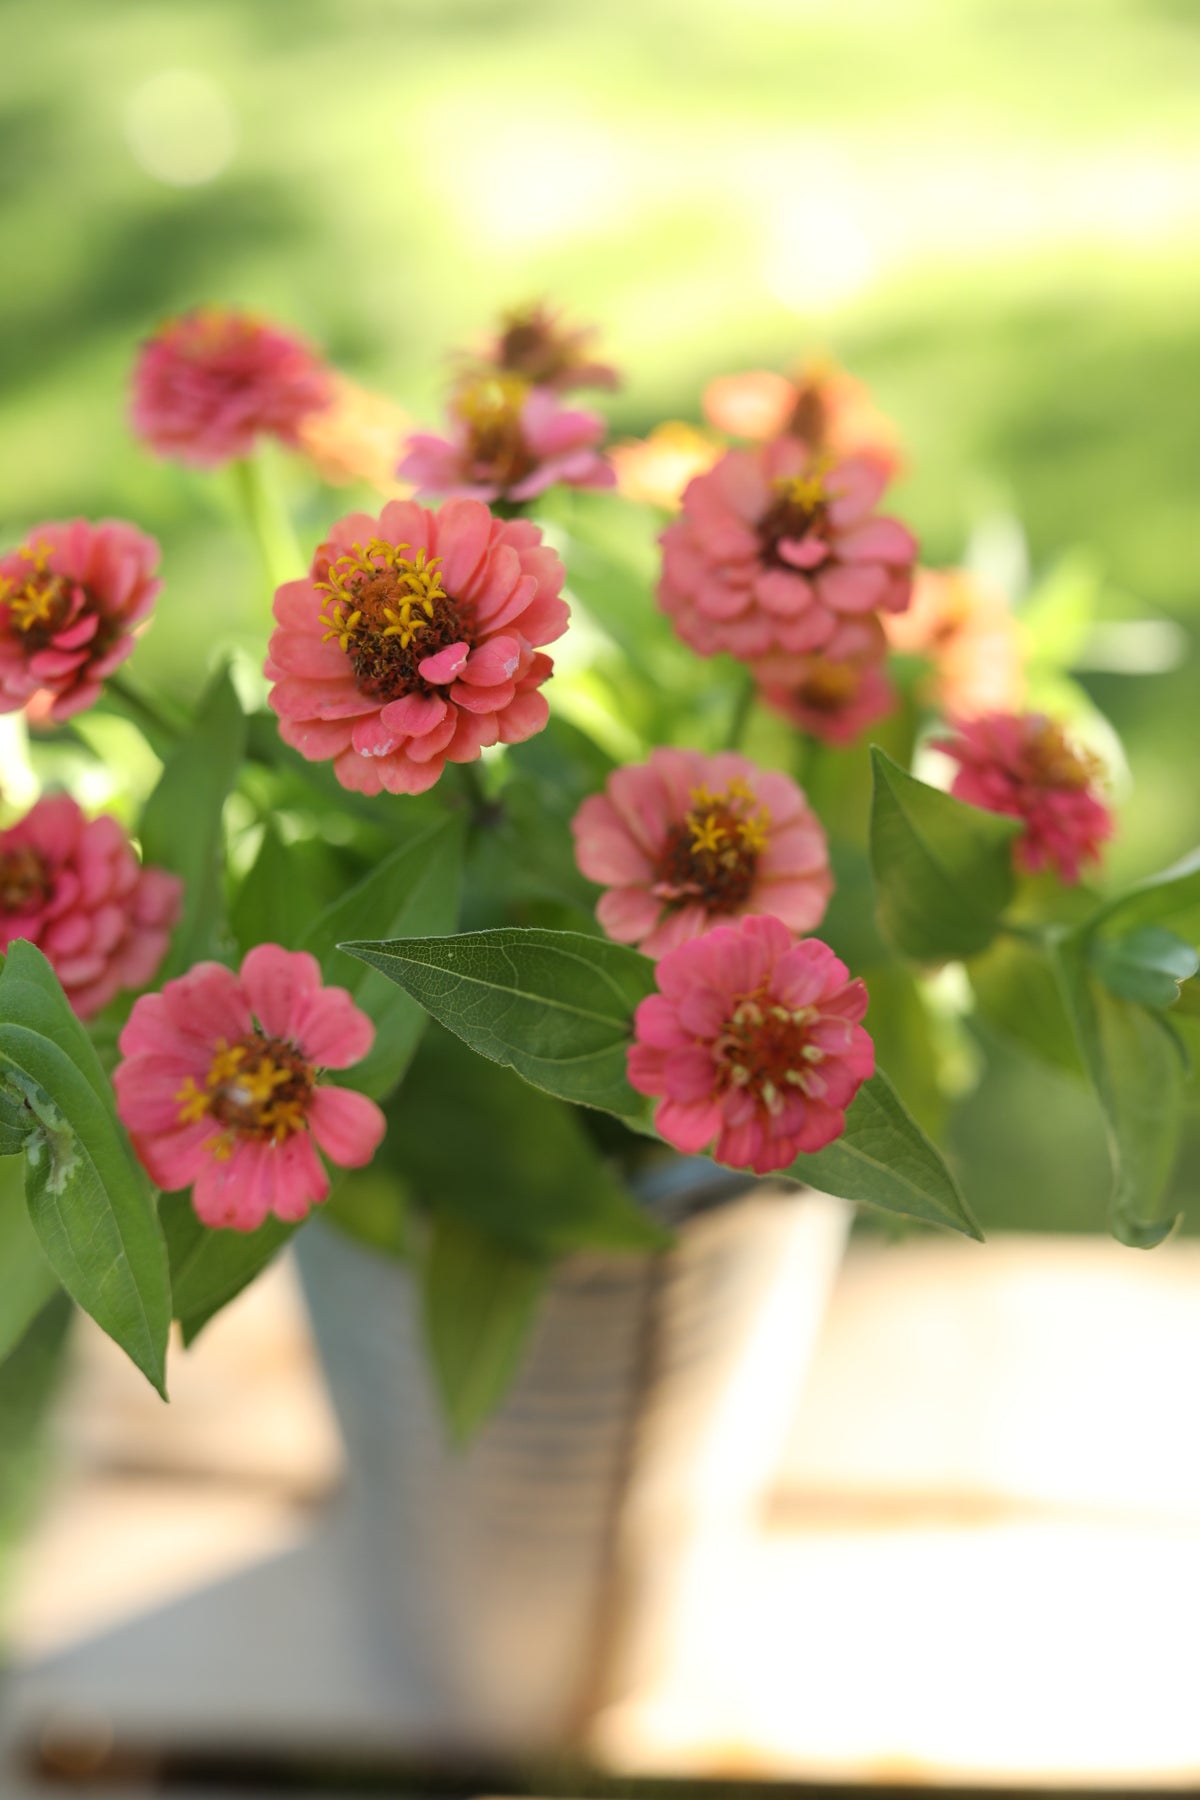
column 389, row 612
column 259, row 1087
column 24, row 880
column 800, row 508
column 810, row 416
column 765, row 1048
column 1050, row 760
column 713, row 855
column 39, row 605
column 827, row 687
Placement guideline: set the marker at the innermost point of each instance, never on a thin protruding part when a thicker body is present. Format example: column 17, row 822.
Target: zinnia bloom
column 220, row 1086
column 775, row 550
column 1024, row 764
column 412, row 642
column 74, row 887
column 508, row 441
column 209, row 383
column 968, row 632
column 820, row 404
column 684, row 840
column 70, row 597
column 752, row 1040
column 535, row 344
column 837, row 692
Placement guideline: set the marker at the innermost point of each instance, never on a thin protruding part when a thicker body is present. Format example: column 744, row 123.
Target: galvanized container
column 518, row 1586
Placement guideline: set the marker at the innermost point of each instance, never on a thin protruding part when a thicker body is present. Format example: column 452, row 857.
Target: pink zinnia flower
column 208, row 384
column 820, row 404
column 1023, row 764
column 837, row 692
column 508, row 441
column 70, row 597
column 776, row 549
column 752, row 1040
column 74, row 887
column 536, row 345
column 220, row 1086
column 685, row 840
column 412, row 643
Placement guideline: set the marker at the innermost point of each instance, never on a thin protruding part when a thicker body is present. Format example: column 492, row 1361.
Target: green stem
column 743, row 706
column 268, row 521
column 482, row 807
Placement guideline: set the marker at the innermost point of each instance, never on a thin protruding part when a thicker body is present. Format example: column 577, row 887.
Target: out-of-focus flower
column 356, row 438
column 834, row 697
column 207, row 385
column 753, row 1040
column 775, row 549
column 70, row 597
column 534, row 343
column 684, row 840
column 1024, row 764
column 74, row 887
column 508, row 441
column 968, row 632
column 821, row 404
column 655, row 470
column 412, row 642
column 220, row 1086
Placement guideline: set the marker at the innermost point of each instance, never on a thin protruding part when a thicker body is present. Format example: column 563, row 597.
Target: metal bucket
column 519, row 1585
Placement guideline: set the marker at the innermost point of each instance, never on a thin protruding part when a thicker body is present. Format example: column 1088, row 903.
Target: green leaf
column 1147, row 966
column 943, row 870
column 89, row 1202
column 274, row 902
column 479, row 1302
column 26, row 1279
column 1017, row 991
column 1170, row 899
column 182, row 823
column 1138, row 1077
column 473, row 1139
column 884, row 1158
column 210, row 1268
column 414, row 890
column 556, row 1006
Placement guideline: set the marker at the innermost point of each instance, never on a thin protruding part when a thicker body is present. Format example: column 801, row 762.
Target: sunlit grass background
column 989, row 208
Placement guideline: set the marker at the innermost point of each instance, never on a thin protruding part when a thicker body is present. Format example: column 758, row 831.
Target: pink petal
column 331, row 1032
column 348, row 1126
column 277, row 983
column 446, row 665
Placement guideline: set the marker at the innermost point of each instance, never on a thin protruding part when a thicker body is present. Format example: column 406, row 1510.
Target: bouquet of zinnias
column 403, row 941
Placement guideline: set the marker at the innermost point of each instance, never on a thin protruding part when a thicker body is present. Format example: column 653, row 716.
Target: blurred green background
column 987, row 208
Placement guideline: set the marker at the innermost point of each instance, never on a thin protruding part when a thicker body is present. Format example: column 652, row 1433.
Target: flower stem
column 160, row 727
column 268, row 521
column 743, row 706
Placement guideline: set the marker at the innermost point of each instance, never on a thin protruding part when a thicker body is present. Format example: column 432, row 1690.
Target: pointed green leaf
column 884, row 1159
column 26, row 1279
column 1138, row 1077
column 943, row 870
column 1170, row 899
column 182, row 825
column 480, row 1300
column 274, row 902
column 1017, row 992
column 1148, row 965
column 556, row 1006
column 89, row 1202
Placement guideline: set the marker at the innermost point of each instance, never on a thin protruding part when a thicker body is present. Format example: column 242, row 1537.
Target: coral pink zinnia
column 220, row 1086
column 74, row 887
column 508, row 441
column 775, row 549
column 752, row 1040
column 70, row 596
column 208, row 384
column 820, row 404
column 413, row 643
column 684, row 840
column 1023, row 764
